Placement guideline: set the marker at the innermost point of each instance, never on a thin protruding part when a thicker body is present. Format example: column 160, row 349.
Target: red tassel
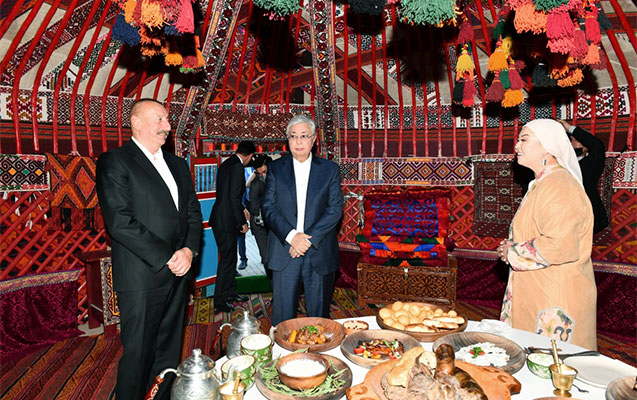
column 592, row 26
column 466, row 32
column 559, row 25
column 574, row 5
column 561, row 45
column 495, row 93
column 516, row 4
column 186, row 21
column 514, row 77
column 580, row 46
column 137, row 14
column 468, row 93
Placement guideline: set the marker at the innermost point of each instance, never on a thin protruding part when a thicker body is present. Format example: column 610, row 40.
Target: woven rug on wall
column 23, row 172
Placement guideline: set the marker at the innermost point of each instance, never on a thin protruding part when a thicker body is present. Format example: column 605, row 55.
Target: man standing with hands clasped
column 302, row 206
column 153, row 216
column 228, row 219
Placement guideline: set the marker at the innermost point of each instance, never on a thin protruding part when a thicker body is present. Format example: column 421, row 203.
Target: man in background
column 257, row 224
column 229, row 219
column 153, row 216
column 591, row 154
column 302, row 205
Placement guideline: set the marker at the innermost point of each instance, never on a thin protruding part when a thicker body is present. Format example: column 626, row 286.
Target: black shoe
column 223, row 307
column 237, row 297
column 243, row 265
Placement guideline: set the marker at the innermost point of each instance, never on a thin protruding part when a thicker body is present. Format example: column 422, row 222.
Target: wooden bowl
column 334, row 333
column 302, row 382
column 427, row 336
column 351, row 342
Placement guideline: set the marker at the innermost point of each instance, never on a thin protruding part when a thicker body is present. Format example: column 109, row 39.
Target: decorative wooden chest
column 380, row 284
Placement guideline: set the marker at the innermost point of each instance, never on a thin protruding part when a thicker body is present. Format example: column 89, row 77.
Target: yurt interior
column 422, row 105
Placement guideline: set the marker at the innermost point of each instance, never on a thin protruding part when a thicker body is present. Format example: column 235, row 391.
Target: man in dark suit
column 228, row 219
column 302, row 205
column 257, row 224
column 153, row 216
column 591, row 154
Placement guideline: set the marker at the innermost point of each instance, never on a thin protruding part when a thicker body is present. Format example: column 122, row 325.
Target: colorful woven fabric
column 110, row 309
column 72, row 181
column 225, row 124
column 23, row 172
column 625, row 175
column 497, row 197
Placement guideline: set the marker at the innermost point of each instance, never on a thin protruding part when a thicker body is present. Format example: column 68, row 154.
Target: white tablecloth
column 532, row 386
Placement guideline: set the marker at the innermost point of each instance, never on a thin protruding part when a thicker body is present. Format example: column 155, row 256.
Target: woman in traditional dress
column 551, row 289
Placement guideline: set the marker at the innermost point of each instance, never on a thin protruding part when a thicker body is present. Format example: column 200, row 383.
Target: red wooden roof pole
column 89, row 86
column 242, row 59
column 494, row 14
column 107, row 89
column 374, row 82
column 613, row 79
column 398, row 79
column 289, row 47
column 296, row 39
column 169, row 98
column 423, row 85
column 206, row 20
column 15, row 42
column 160, row 78
column 450, row 79
column 58, row 33
column 432, row 45
column 628, row 29
column 252, row 68
column 8, row 20
column 58, row 84
column 142, row 82
column 483, row 24
column 80, row 73
column 120, row 108
column 386, row 94
column 359, row 92
column 345, row 77
column 632, row 97
column 412, row 69
column 270, row 70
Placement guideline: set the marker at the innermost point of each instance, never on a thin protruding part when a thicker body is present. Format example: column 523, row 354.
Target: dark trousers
column 260, row 234
column 151, row 330
column 226, row 285
column 285, row 286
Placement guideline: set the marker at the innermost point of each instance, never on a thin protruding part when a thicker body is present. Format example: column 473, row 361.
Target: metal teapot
column 243, row 326
column 197, row 379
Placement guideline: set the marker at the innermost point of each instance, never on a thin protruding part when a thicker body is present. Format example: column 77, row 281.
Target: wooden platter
column 336, row 365
column 497, row 384
column 426, row 336
column 463, row 339
column 351, row 342
column 334, row 333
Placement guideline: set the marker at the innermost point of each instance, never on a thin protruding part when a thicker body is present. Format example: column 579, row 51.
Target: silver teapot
column 243, row 326
column 197, row 379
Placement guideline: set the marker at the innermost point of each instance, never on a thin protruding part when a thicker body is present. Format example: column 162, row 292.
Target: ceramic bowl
column 539, row 364
column 259, row 346
column 245, row 365
column 297, row 362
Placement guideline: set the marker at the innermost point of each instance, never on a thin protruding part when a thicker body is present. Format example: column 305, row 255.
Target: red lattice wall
column 28, row 247
column 622, row 247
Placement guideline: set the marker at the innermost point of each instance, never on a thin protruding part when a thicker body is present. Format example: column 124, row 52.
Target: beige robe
column 554, row 224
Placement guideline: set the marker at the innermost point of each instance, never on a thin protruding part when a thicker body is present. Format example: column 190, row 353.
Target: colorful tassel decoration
column 580, row 46
column 152, row 15
column 592, row 26
column 469, row 93
column 512, row 98
column 507, row 46
column 592, row 56
column 433, row 12
column 558, row 71
column 464, row 63
column 279, row 7
column 173, row 59
column 574, row 5
column 129, row 10
column 548, row 5
column 186, row 21
column 458, row 90
column 515, row 78
column 504, row 79
column 559, row 25
column 124, row 32
column 561, row 45
column 495, row 93
column 527, row 19
column 540, row 76
column 498, row 60
column 465, row 35
column 516, row 4
column 602, row 19
column 501, row 28
column 573, row 78
column 368, row 7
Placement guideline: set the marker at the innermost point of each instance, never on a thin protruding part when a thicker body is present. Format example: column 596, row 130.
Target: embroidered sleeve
column 525, row 257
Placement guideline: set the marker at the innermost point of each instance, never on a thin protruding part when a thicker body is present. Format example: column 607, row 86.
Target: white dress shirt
column 160, row 165
column 301, row 177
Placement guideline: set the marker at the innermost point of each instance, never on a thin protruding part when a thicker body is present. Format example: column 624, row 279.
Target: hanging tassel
column 517, row 4
column 495, row 93
column 574, row 5
column 171, row 30
column 433, row 12
column 465, row 35
column 515, row 78
column 186, row 21
column 458, row 91
column 561, row 45
column 367, row 7
column 173, row 57
column 129, row 10
column 507, row 45
column 512, row 98
column 548, row 5
column 558, row 71
column 602, row 19
column 572, row 79
column 592, row 26
column 137, row 14
column 152, row 15
column 580, row 46
column 527, row 19
column 497, row 60
column 281, row 8
column 464, row 64
column 504, row 79
column 540, row 76
column 468, row 94
column 559, row 25
column 124, row 32
column 592, row 56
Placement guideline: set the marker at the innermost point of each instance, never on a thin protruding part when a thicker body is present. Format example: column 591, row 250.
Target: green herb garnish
column 310, row 329
column 332, row 383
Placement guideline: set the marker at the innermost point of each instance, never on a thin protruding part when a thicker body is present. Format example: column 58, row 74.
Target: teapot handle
column 217, row 337
column 158, row 380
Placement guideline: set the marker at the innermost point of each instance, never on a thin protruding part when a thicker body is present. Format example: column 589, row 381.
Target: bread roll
column 403, row 319
column 414, row 310
column 389, row 321
column 398, row 325
column 452, row 313
column 384, row 313
column 397, row 306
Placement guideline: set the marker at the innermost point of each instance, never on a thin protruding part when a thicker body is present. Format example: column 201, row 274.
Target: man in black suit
column 153, row 216
column 591, row 154
column 257, row 224
column 228, row 219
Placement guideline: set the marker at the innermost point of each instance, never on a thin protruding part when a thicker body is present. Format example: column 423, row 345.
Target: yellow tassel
column 173, row 59
column 512, row 98
column 129, row 9
column 464, row 64
column 152, row 15
column 507, row 43
column 200, row 60
column 498, row 61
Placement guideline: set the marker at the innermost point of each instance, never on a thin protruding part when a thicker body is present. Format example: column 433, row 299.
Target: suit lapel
column 313, row 183
column 288, row 176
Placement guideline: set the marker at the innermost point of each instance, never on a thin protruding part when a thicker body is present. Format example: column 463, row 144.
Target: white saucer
column 599, row 371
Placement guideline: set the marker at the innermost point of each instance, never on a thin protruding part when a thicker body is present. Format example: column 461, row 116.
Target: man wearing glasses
column 302, row 205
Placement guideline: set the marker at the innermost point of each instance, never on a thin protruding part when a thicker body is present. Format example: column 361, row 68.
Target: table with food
column 423, row 351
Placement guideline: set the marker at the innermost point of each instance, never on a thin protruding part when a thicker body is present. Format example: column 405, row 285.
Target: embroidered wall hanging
column 23, row 172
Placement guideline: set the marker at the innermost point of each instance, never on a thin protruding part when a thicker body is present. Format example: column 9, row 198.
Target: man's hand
column 181, row 261
column 300, row 243
column 565, row 124
column 244, row 228
column 246, row 213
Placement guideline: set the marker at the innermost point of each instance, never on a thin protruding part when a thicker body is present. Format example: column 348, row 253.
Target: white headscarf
column 553, row 138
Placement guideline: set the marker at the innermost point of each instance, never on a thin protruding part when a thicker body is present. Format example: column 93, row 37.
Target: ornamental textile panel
column 23, row 172
column 228, row 125
column 37, row 310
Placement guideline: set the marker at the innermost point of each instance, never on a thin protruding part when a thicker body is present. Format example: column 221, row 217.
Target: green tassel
column 280, row 7
column 504, row 79
column 548, row 5
column 432, row 12
column 499, row 29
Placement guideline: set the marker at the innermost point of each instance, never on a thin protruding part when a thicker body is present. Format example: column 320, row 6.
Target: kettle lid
column 196, row 363
column 246, row 322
